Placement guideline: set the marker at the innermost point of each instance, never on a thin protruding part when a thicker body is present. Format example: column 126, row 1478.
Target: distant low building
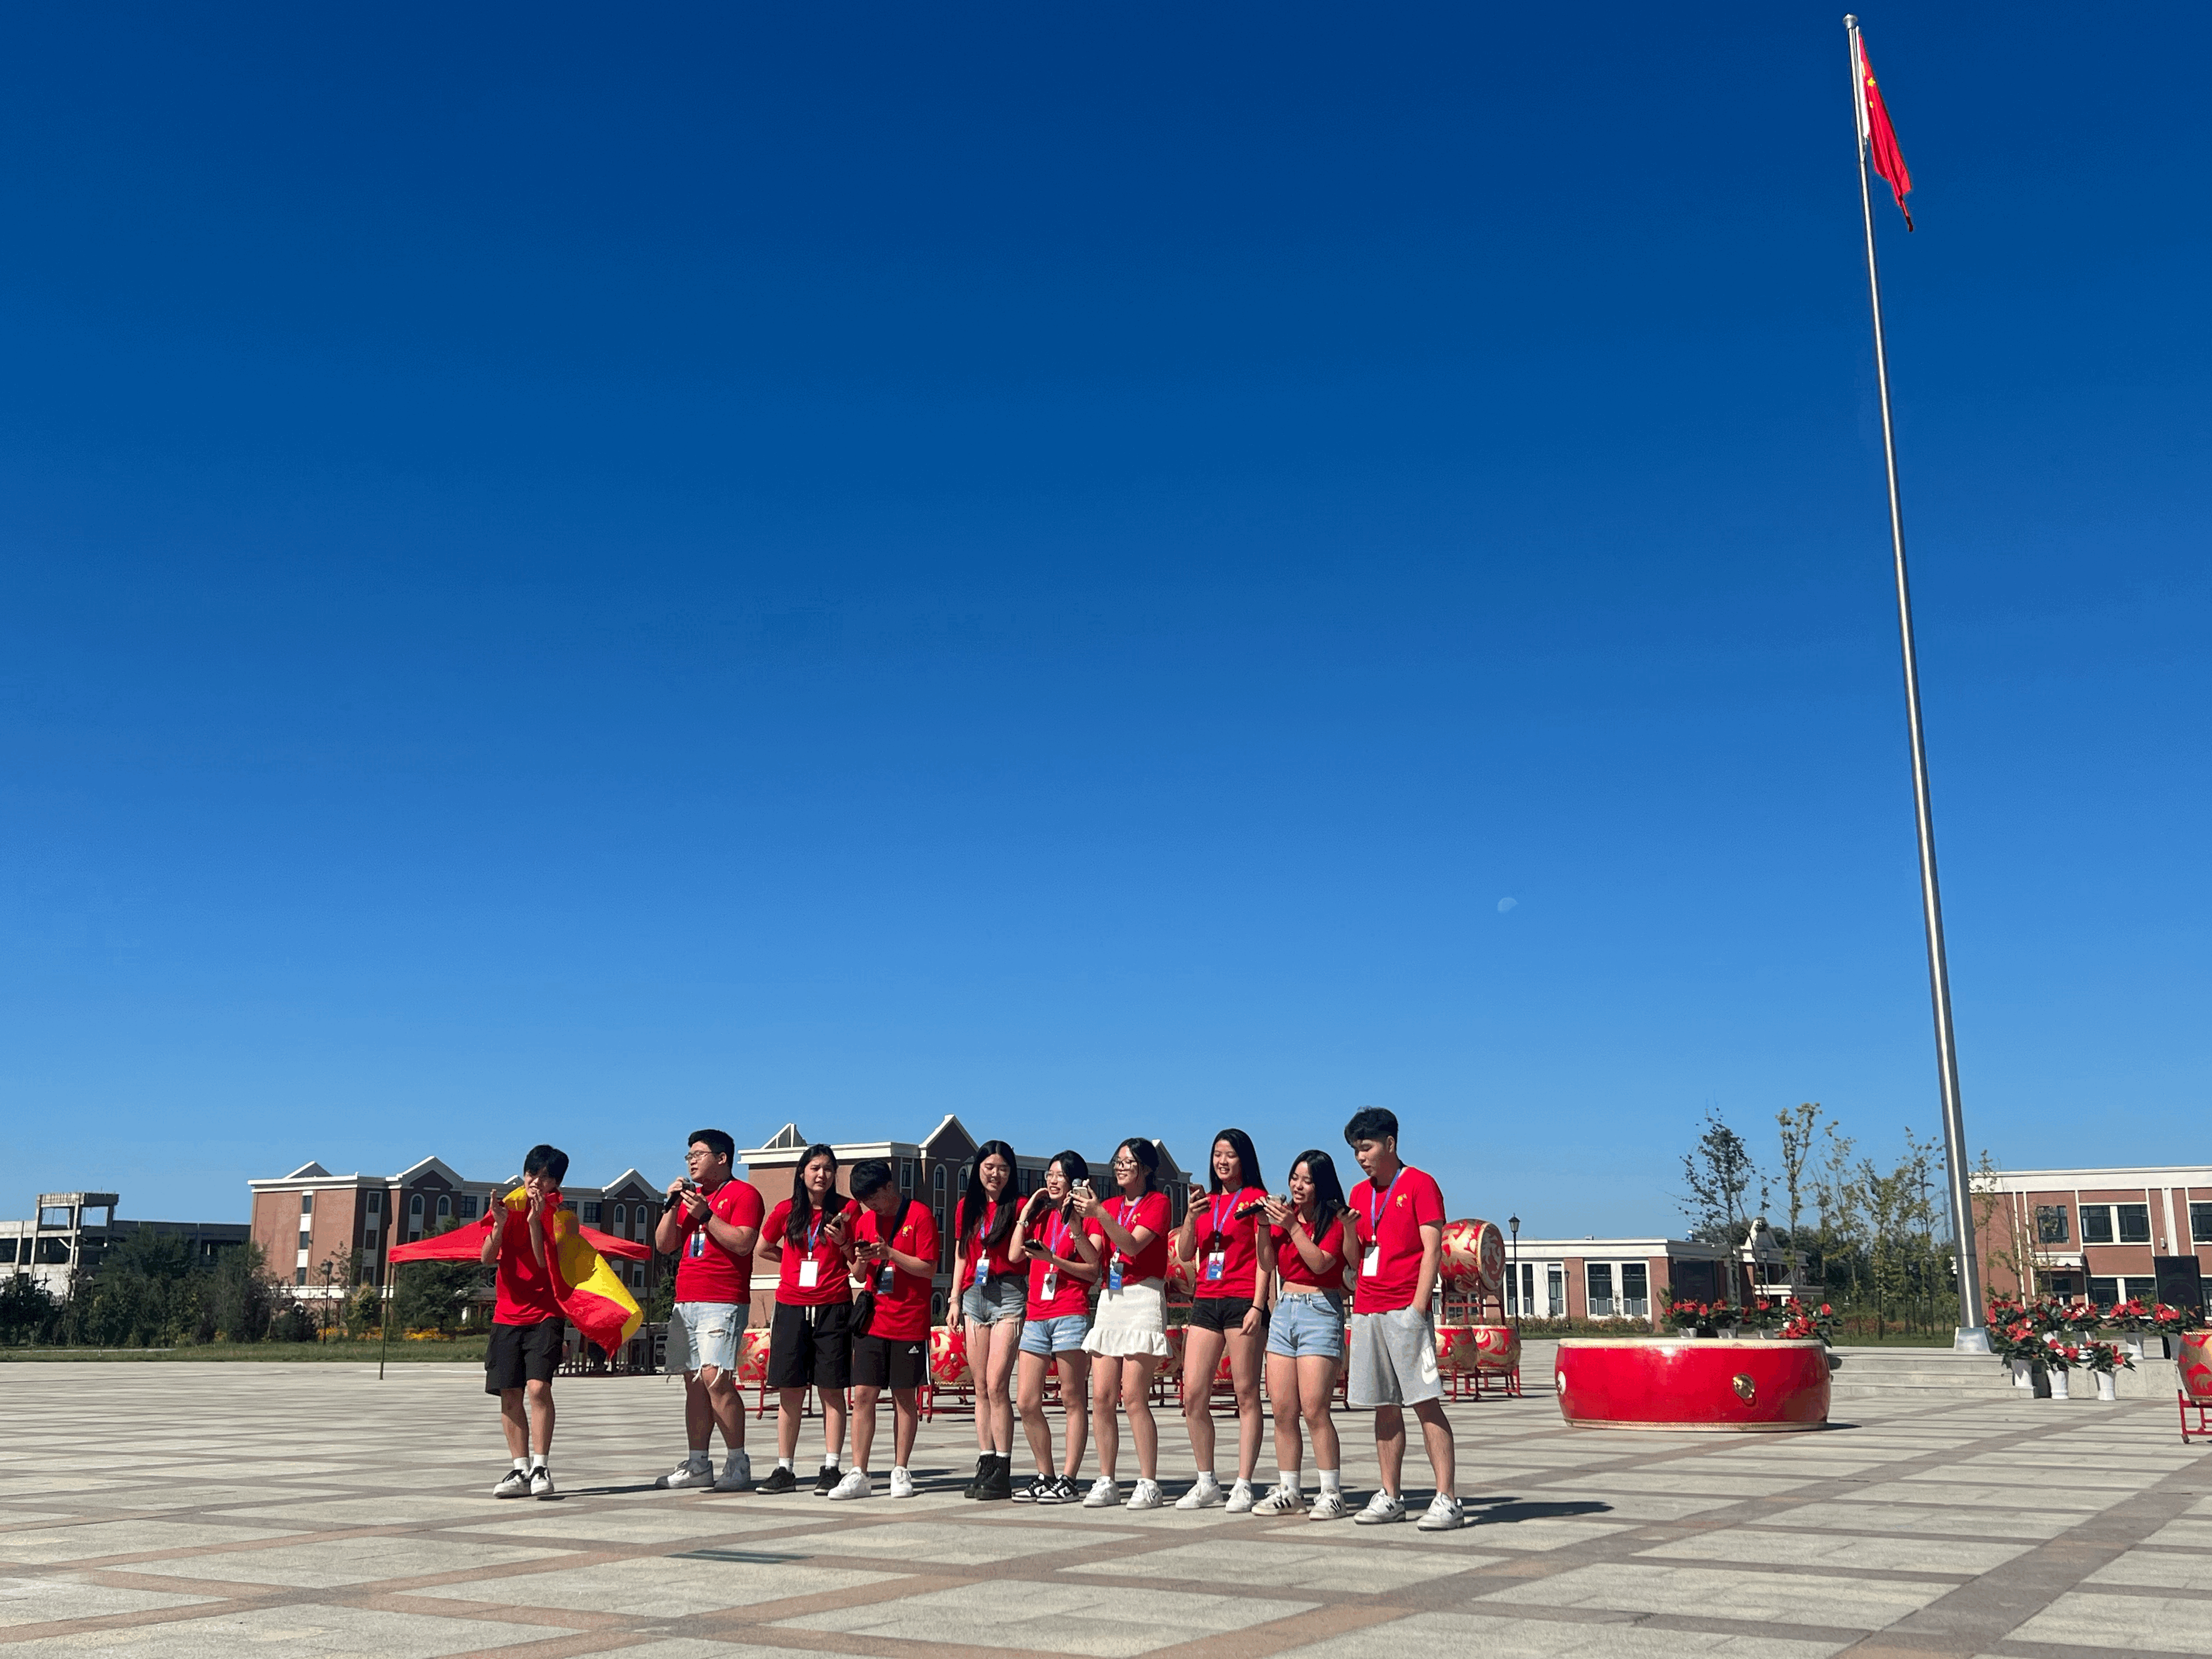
column 1629, row 1279
column 62, row 1239
column 2142, row 1231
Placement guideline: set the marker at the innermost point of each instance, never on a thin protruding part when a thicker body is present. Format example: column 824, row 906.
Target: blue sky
column 571, row 576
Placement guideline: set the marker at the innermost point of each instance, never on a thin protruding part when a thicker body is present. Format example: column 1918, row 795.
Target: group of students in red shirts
column 1071, row 1280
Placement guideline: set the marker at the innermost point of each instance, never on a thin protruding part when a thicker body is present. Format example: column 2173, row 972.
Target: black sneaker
column 782, row 1480
column 1062, row 1490
column 1033, row 1491
column 826, row 1482
column 975, row 1486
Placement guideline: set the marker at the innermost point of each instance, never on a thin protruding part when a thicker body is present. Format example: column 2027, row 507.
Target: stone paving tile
column 337, row 1631
column 1770, row 1545
column 106, row 1538
column 327, row 1563
column 1634, row 1587
column 1861, row 1516
column 1953, row 1494
column 2190, row 1532
column 1732, row 1483
column 672, row 1523
column 949, row 1544
column 1491, row 1637
column 67, row 1596
column 2157, row 1570
column 338, row 1511
column 2121, row 1624
column 1287, row 1566
column 660, row 1586
column 1107, row 1622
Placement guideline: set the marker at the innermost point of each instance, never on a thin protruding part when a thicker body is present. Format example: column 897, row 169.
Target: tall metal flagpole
column 1972, row 1335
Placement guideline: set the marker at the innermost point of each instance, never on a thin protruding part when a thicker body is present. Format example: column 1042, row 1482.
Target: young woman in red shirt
column 1222, row 1233
column 809, row 1236
column 1063, row 1264
column 993, row 1295
column 1306, row 1337
column 1129, row 1335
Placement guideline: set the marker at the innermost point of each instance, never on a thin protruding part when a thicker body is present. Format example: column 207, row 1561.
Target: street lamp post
column 1513, row 1271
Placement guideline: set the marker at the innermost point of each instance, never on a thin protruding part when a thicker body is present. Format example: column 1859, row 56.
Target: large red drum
column 1473, row 1257
column 1497, row 1348
column 1454, row 1348
column 752, row 1358
column 1709, row 1384
column 948, row 1357
column 2192, row 1357
column 1171, row 1364
column 1181, row 1269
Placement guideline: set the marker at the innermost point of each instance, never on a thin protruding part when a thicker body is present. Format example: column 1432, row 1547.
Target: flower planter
column 2023, row 1373
column 2145, row 1347
column 2107, row 1386
column 2058, row 1385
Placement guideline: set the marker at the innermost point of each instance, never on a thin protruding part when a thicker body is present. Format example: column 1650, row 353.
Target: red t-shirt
column 705, row 1271
column 1392, row 1220
column 1292, row 1267
column 830, row 1266
column 903, row 1314
column 1070, row 1294
column 1219, row 1229
column 966, row 1232
column 1149, row 1211
column 525, row 1286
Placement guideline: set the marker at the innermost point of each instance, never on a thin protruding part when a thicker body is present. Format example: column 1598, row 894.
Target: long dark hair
column 974, row 1201
column 1248, row 1161
column 1329, row 1191
column 802, row 1201
column 1073, row 1169
column 1146, row 1155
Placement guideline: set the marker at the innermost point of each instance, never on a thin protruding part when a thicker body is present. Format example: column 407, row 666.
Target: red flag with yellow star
column 1881, row 137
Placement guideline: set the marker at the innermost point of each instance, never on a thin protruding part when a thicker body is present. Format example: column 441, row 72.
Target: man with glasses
column 710, row 1226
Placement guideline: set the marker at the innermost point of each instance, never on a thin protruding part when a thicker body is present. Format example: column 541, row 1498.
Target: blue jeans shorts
column 1047, row 1337
column 996, row 1300
column 1308, row 1323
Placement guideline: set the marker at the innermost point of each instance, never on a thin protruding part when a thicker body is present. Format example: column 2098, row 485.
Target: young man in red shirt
column 527, row 1326
column 895, row 1258
column 1397, row 1215
column 710, row 1226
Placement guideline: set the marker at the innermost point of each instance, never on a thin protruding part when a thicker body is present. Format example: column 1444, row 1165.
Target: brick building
column 68, row 1234
column 322, row 1234
column 2107, row 1234
column 933, row 1169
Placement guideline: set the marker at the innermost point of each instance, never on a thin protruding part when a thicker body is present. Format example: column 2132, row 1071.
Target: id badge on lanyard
column 1050, row 1287
column 1218, row 1256
column 983, row 1250
column 809, row 1270
column 1377, row 1207
column 887, row 1280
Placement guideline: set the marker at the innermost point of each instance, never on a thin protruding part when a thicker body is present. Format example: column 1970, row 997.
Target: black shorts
column 520, row 1353
column 1222, row 1313
column 811, row 1345
column 888, row 1362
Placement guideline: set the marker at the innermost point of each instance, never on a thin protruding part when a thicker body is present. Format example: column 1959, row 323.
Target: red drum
column 2193, row 1359
column 1709, row 1384
column 1473, row 1257
column 948, row 1357
column 1171, row 1365
column 752, row 1359
column 1180, row 1271
column 1454, row 1348
column 1497, row 1348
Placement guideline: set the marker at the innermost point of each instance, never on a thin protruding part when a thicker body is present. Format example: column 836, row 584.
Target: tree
column 239, row 1298
column 431, row 1295
column 1801, row 1134
column 2002, row 1223
column 1718, row 1170
column 28, row 1313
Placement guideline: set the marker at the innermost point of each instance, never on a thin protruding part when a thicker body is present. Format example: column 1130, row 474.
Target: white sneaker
column 1147, row 1496
column 1444, row 1515
column 515, row 1483
column 541, row 1482
column 1380, row 1509
column 856, row 1484
column 1105, row 1493
column 1329, row 1506
column 1240, row 1497
column 901, row 1484
column 1284, row 1500
column 1203, row 1495
column 737, row 1474
column 688, row 1474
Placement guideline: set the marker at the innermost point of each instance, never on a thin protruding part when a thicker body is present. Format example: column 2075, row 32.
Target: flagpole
column 1972, row 1334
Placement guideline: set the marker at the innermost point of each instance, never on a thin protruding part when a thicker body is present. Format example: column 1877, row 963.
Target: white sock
column 1289, row 1480
column 700, row 1455
column 537, row 1461
column 783, row 1462
column 1207, row 1478
column 1331, row 1480
column 522, row 1462
column 898, row 1469
column 829, row 1463
column 1243, row 1482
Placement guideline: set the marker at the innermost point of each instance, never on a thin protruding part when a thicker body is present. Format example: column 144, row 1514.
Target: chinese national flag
column 1881, row 137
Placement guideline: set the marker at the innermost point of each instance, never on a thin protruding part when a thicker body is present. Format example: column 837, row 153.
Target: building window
column 376, row 1203
column 2135, row 1222
column 299, row 1275
column 467, row 1207
column 2050, row 1223
column 592, row 1214
column 1597, row 1282
column 906, row 1180
column 622, row 1217
column 306, row 1203
column 2200, row 1223
column 306, row 1241
column 1635, row 1291
column 444, row 1206
column 2103, row 1292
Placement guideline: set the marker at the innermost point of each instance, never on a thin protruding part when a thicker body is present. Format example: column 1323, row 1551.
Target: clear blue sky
column 573, row 575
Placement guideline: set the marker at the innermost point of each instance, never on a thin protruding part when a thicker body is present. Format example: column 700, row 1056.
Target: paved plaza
column 237, row 1509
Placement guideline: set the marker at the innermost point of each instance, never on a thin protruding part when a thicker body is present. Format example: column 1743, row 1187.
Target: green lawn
column 468, row 1348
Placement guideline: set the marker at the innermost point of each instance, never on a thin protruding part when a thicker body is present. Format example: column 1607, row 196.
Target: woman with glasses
column 1063, row 1264
column 993, row 1297
column 1129, row 1335
column 809, row 1236
column 1305, row 1339
column 1222, row 1234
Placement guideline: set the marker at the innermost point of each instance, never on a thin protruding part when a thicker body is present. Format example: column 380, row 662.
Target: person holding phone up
column 1063, row 1264
column 1223, row 1233
column 810, row 1236
column 1129, row 1335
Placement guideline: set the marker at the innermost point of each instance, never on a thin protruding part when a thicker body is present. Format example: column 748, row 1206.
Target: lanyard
column 983, row 1232
column 1378, row 1202
column 1128, row 1208
column 1215, row 1213
column 1053, row 1240
column 813, row 1233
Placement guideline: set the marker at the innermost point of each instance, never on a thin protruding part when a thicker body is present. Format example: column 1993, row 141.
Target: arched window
column 444, row 1206
column 622, row 1217
column 415, row 1205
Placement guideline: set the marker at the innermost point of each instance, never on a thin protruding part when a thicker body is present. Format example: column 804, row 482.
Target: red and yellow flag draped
column 590, row 1293
column 1879, row 138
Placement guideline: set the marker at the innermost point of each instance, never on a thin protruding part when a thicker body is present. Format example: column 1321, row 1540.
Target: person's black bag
column 864, row 1311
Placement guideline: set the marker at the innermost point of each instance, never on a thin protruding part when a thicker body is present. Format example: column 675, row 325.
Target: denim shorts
column 1063, row 1334
column 996, row 1300
column 1308, row 1323
column 703, row 1333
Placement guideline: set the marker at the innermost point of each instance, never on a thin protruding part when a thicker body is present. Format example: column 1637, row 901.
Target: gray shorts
column 1393, row 1359
column 996, row 1300
column 702, row 1334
